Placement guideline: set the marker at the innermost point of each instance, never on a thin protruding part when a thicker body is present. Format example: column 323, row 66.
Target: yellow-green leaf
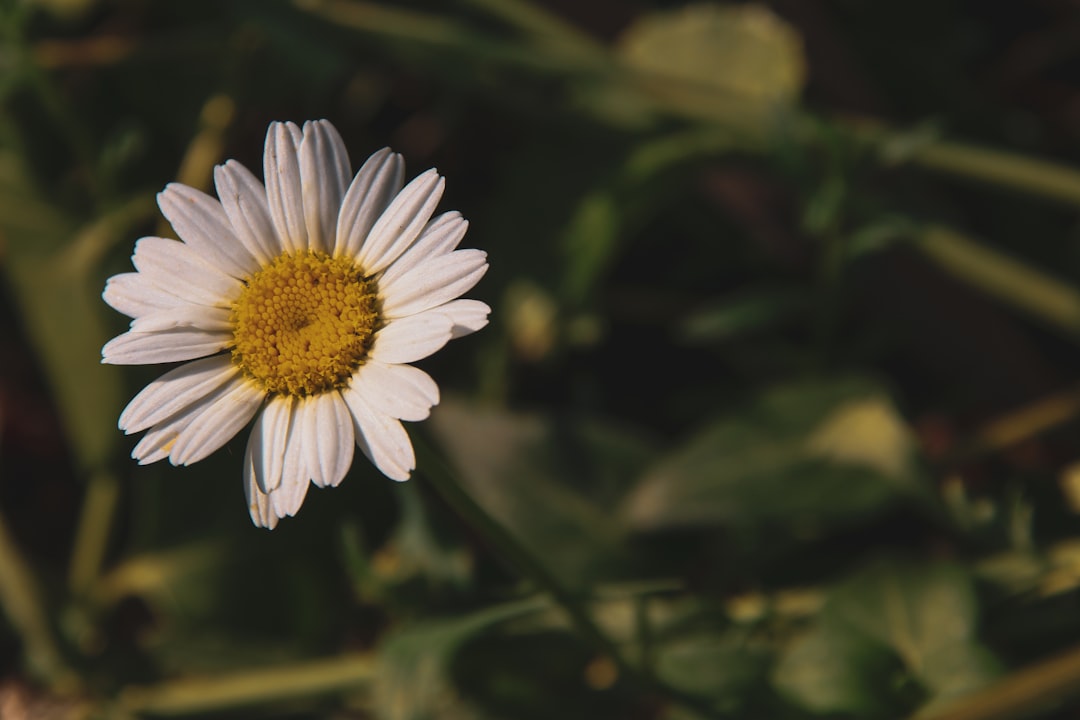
column 743, row 56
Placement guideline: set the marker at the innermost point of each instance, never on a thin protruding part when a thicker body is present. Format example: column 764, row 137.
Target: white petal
column 433, row 282
column 382, row 439
column 188, row 315
column 412, row 338
column 401, row 223
column 398, row 391
column 378, row 181
column 159, row 440
column 229, row 410
column 328, row 438
column 287, row 497
column 258, row 501
column 177, row 269
column 292, row 460
column 185, row 432
column 324, row 176
column 269, row 435
column 281, row 168
column 243, row 198
column 175, row 390
column 440, row 236
column 136, row 348
column 133, row 294
column 202, row 224
column 468, row 316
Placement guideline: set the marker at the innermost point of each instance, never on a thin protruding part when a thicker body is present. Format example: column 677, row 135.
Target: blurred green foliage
column 776, row 416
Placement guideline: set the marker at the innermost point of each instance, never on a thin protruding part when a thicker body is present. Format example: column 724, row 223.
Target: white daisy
column 302, row 303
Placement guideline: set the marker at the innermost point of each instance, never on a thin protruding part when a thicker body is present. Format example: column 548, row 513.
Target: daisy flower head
column 299, row 303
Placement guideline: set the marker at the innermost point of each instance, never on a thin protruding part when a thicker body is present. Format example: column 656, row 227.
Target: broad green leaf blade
column 958, row 669
column 411, row 674
column 721, row 666
column 894, row 637
column 914, row 611
column 53, row 268
column 61, row 312
column 866, row 432
column 746, row 49
column 174, row 577
column 926, row 616
column 520, row 469
column 724, row 62
column 833, row 670
column 813, row 454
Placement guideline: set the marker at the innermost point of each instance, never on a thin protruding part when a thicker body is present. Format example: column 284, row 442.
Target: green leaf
column 412, row 680
column 743, row 314
column 808, row 454
column 54, row 269
column 419, row 550
column 747, row 49
column 523, row 470
column 590, row 242
column 833, row 670
column 720, row 666
column 915, row 621
column 724, row 62
column 924, row 615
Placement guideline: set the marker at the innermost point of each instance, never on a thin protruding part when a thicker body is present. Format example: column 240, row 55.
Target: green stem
column 1036, row 293
column 524, row 562
column 560, row 49
column 200, row 695
column 92, row 534
column 512, row 551
column 986, row 165
column 442, row 33
column 547, row 29
column 1036, row 177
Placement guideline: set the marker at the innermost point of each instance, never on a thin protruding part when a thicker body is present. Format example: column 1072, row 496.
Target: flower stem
column 512, row 551
column 524, row 562
column 990, row 166
column 92, row 534
column 203, row 694
column 1032, row 291
column 1012, row 170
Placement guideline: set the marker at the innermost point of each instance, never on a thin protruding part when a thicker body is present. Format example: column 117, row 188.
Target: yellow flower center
column 304, row 323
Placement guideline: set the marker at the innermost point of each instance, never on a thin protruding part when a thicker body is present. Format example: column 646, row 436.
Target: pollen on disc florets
column 304, row 323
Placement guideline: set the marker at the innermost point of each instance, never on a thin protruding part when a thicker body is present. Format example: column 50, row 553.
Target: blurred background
column 782, row 383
